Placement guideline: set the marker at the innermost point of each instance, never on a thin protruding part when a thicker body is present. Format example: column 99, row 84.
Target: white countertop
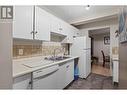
column 20, row 69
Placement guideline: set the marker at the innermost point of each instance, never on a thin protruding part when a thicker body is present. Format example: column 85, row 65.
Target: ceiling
column 77, row 14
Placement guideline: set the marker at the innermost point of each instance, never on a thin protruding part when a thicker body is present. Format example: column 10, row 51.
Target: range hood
column 55, row 37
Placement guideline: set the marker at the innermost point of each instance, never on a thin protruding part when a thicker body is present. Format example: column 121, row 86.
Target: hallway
column 99, row 69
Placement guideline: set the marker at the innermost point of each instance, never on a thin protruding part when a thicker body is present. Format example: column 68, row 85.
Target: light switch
column 20, row 51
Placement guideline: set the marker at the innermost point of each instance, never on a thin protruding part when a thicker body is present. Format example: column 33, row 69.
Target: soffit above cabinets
column 77, row 15
column 100, row 31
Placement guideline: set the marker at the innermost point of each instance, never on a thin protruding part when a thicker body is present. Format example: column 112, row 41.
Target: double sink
column 45, row 61
column 57, row 58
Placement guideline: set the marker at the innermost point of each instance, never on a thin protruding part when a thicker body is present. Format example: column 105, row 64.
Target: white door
column 42, row 24
column 23, row 22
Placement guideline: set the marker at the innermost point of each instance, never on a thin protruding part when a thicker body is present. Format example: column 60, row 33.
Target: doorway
column 100, row 51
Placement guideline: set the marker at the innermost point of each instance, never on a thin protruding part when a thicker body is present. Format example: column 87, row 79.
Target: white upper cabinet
column 55, row 24
column 23, row 22
column 64, row 27
column 75, row 31
column 58, row 26
column 42, row 24
column 70, row 33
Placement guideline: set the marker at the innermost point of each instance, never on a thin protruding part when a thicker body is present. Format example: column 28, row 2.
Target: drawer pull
column 39, row 71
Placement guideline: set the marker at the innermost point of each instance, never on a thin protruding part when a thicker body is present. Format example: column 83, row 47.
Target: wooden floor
column 99, row 69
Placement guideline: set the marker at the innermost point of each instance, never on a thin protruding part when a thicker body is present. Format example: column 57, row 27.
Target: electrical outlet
column 20, row 51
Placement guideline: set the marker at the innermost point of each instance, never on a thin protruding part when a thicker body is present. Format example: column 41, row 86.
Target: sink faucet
column 54, row 52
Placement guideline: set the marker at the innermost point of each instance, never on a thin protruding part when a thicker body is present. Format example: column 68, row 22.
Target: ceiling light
column 87, row 7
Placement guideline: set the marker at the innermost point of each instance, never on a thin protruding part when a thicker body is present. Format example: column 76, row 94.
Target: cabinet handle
column 39, row 71
column 60, row 29
column 35, row 32
column 32, row 32
column 67, row 66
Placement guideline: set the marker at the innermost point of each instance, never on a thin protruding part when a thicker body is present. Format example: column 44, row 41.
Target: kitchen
column 51, row 63
column 46, row 48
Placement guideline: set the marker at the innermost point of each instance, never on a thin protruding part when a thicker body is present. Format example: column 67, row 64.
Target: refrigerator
column 82, row 47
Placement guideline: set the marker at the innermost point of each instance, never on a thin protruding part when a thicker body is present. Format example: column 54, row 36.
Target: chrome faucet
column 54, row 53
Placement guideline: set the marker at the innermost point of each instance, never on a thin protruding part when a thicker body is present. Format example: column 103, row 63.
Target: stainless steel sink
column 58, row 58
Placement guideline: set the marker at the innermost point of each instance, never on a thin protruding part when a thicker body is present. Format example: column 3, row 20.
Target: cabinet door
column 65, row 74
column 70, row 34
column 23, row 21
column 42, row 24
column 67, row 31
column 55, row 25
column 69, row 72
column 64, row 27
column 61, row 79
column 22, row 82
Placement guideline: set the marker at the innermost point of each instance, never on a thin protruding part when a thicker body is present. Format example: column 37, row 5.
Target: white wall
column 99, row 45
column 5, row 54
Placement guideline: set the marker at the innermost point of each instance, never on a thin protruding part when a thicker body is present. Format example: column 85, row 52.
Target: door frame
column 109, row 46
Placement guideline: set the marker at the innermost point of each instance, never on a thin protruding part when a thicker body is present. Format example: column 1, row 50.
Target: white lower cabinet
column 61, row 83
column 65, row 74
column 69, row 72
column 54, row 77
column 22, row 82
column 22, row 22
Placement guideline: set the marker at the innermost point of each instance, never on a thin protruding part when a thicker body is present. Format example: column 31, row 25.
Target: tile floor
column 94, row 81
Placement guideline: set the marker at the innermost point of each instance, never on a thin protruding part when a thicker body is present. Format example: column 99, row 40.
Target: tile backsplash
column 28, row 48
